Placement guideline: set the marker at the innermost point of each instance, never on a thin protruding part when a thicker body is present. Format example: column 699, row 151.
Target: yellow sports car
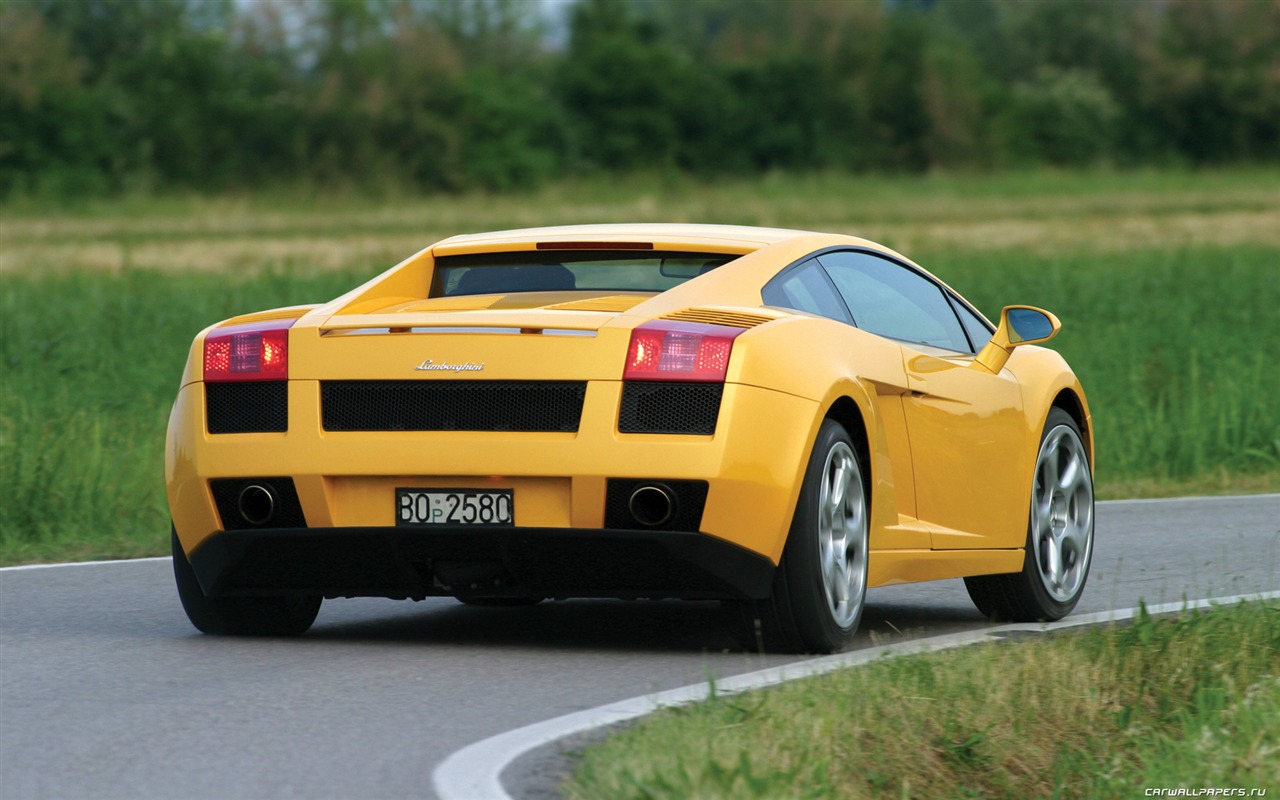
column 777, row 419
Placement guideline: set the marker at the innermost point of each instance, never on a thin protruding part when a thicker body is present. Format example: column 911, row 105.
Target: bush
column 1062, row 117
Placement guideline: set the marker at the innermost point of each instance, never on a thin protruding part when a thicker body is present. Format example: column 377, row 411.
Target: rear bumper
column 482, row 562
column 752, row 465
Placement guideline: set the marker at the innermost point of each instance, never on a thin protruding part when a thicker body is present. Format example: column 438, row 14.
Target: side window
column 806, row 288
column 979, row 333
column 895, row 301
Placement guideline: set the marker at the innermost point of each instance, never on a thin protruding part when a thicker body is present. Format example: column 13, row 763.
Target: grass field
column 1192, row 701
column 1046, row 213
column 1166, row 284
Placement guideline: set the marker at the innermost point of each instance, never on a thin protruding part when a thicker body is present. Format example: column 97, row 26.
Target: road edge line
column 475, row 771
column 24, row 567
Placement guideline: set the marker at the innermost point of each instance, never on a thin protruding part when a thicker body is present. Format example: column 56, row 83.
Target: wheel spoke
column 1078, row 484
column 1049, row 473
column 1069, row 478
column 839, row 584
column 839, row 486
column 1075, row 538
column 1053, row 569
column 1044, row 512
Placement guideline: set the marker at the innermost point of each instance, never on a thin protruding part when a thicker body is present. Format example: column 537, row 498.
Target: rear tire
column 239, row 616
column 820, row 585
column 1059, row 546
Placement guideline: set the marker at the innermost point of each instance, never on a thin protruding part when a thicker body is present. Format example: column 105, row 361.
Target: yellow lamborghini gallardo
column 777, row 419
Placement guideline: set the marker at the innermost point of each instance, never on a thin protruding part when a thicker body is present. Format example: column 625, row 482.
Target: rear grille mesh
column 669, row 407
column 249, row 407
column 526, row 406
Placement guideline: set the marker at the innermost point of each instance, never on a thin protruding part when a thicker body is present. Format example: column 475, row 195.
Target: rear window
column 566, row 271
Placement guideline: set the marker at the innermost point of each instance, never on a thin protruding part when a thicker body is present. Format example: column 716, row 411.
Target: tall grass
column 91, row 363
column 1192, row 701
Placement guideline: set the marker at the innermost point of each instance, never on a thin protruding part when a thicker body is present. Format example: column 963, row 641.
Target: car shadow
column 603, row 625
column 669, row 626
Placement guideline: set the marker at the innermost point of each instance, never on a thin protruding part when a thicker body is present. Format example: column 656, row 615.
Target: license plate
column 417, row 507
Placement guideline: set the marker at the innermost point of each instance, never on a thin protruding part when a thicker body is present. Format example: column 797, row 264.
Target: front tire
column 1059, row 547
column 820, row 585
column 239, row 616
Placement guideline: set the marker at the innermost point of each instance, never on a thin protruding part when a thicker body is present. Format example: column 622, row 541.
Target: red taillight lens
column 679, row 351
column 253, row 352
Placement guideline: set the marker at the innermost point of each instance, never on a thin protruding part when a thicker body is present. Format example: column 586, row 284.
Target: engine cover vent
column 716, row 316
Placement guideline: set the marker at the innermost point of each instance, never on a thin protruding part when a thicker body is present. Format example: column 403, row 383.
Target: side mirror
column 1019, row 325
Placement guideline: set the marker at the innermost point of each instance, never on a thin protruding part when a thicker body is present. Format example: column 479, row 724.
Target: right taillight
column 252, row 352
column 679, row 351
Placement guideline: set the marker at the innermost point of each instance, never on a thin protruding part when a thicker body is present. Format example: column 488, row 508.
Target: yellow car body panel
column 949, row 445
column 749, row 500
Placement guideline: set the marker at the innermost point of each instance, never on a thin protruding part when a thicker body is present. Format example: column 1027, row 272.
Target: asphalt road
column 107, row 692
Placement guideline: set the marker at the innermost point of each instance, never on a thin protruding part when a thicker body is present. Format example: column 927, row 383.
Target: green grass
column 91, row 364
column 1165, row 283
column 1192, row 701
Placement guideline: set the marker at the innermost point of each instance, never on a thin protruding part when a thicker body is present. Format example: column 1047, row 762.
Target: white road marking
column 474, row 772
column 84, row 563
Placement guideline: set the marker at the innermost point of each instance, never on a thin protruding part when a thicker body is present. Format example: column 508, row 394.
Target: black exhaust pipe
column 257, row 504
column 652, row 505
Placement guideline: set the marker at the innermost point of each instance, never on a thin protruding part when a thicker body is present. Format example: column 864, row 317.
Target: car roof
column 661, row 236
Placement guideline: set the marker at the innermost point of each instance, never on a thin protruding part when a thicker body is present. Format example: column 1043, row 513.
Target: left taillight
column 679, row 351
column 254, row 352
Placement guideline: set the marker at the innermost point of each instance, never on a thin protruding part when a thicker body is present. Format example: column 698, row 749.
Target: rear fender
column 858, row 382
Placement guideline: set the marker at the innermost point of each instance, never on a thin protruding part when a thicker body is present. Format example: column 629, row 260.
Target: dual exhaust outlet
column 257, row 504
column 651, row 505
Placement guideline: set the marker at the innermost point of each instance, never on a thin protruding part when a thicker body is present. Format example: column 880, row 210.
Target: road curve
column 106, row 691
